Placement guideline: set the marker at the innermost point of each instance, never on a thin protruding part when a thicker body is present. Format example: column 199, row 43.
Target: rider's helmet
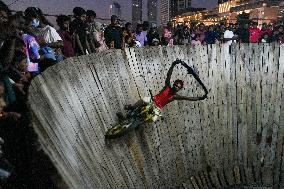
column 178, row 84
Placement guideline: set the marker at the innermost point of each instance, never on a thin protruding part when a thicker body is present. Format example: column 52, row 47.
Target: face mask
column 35, row 23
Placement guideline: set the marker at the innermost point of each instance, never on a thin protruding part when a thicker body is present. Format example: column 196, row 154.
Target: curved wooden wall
column 234, row 138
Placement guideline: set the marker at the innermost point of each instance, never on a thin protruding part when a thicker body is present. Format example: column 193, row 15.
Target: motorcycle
column 143, row 114
column 135, row 118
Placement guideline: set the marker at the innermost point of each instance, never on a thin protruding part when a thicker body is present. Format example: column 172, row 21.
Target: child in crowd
column 265, row 38
column 168, row 37
column 99, row 37
column 195, row 39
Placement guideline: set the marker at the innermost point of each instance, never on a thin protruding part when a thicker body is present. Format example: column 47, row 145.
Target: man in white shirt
column 229, row 36
column 50, row 35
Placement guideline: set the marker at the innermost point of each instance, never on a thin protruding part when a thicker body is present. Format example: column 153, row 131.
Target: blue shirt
column 210, row 37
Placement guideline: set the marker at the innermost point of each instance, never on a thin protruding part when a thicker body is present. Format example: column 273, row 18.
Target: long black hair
column 43, row 18
column 61, row 19
column 34, row 12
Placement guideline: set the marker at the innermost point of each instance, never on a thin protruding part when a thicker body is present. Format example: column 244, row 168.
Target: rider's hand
column 176, row 62
column 190, row 70
column 184, row 64
column 203, row 97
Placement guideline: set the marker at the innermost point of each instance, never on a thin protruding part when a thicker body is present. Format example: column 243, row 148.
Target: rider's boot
column 120, row 116
column 129, row 107
column 140, row 103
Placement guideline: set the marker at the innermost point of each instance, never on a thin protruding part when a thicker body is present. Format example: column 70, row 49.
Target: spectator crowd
column 29, row 44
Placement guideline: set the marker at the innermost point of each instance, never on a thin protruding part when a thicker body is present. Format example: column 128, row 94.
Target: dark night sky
column 100, row 6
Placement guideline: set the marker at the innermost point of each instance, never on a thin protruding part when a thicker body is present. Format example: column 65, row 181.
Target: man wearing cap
column 114, row 34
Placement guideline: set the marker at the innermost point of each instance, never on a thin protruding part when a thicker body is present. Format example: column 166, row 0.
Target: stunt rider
column 168, row 93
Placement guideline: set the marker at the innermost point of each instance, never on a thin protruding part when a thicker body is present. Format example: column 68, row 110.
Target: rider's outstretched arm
column 192, row 72
column 170, row 72
column 200, row 82
column 179, row 97
column 196, row 77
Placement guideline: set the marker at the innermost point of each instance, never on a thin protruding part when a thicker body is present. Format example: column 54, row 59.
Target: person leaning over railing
column 63, row 22
column 114, row 34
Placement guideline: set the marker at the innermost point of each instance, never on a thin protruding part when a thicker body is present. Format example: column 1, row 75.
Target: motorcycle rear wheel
column 117, row 131
column 121, row 129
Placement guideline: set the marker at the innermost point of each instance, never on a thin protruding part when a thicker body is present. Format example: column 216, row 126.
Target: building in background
column 280, row 14
column 169, row 8
column 226, row 6
column 222, row 1
column 183, row 4
column 136, row 12
column 261, row 11
column 152, row 12
column 115, row 9
column 165, row 12
column 178, row 7
column 172, row 8
column 145, row 10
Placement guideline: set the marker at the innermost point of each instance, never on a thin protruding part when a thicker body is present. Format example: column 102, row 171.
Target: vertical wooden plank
column 279, row 120
column 241, row 112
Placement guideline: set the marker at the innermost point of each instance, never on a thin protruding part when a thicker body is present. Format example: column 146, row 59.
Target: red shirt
column 163, row 98
column 255, row 34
